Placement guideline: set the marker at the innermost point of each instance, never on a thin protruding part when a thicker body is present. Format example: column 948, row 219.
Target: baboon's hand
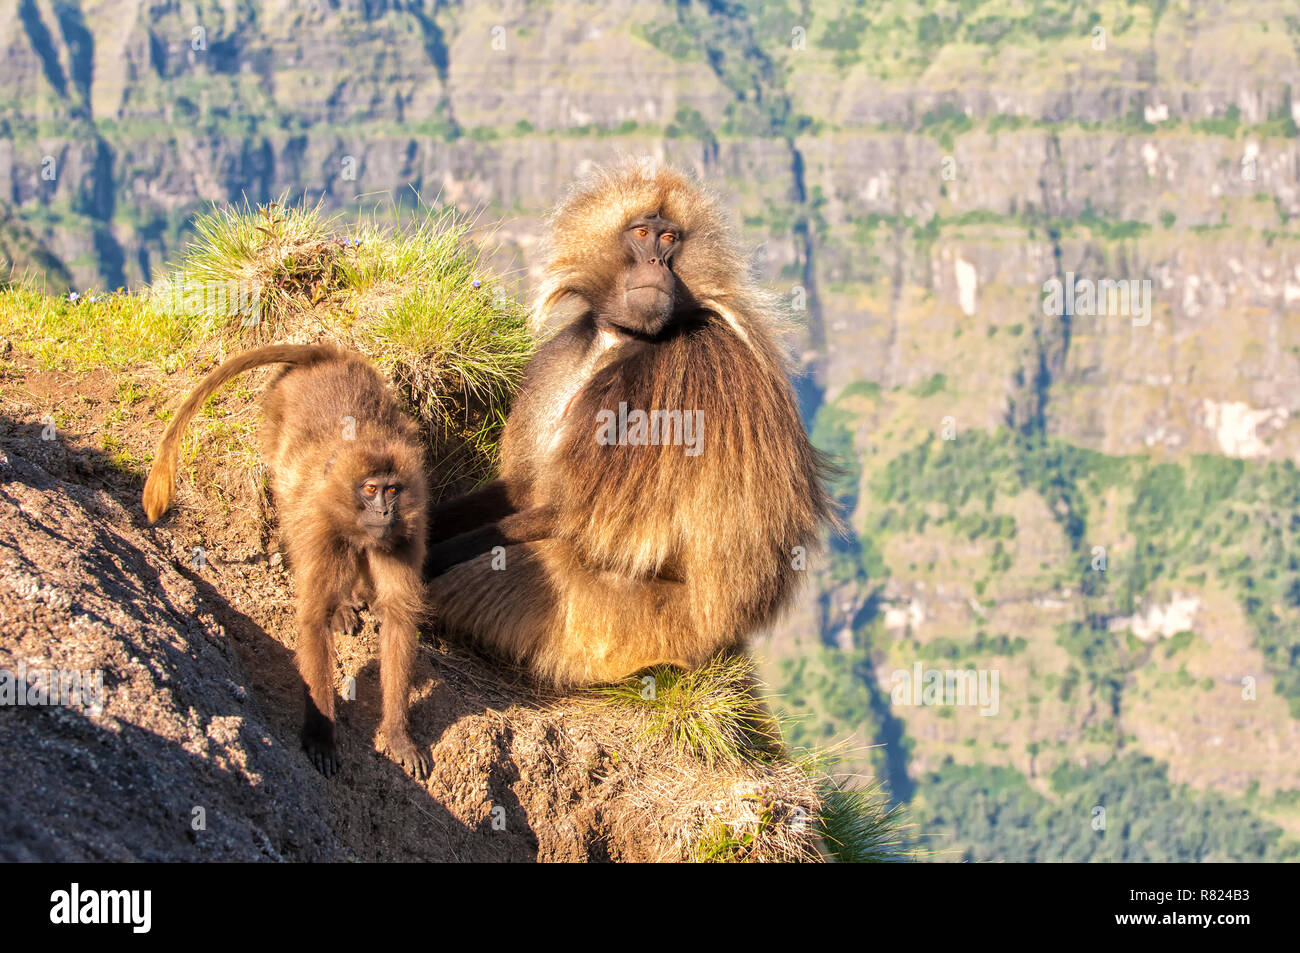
column 414, row 759
column 347, row 620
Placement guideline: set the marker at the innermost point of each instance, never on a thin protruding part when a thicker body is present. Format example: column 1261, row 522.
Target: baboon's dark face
column 379, row 505
column 650, row 290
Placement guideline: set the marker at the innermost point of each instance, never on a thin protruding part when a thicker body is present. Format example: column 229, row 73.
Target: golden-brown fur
column 652, row 555
column 330, row 425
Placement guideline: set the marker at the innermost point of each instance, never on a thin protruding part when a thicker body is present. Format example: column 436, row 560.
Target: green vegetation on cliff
column 1125, row 811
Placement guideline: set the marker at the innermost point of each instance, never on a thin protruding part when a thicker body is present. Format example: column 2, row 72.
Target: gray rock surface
column 180, row 764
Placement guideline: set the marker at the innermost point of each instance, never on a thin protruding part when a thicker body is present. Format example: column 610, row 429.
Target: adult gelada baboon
column 658, row 490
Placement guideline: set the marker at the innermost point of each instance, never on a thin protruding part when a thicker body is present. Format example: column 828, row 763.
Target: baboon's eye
column 392, row 490
column 370, row 489
column 642, row 232
column 669, row 237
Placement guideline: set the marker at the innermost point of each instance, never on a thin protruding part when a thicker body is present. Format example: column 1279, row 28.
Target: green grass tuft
column 709, row 714
column 285, row 259
column 712, row 716
column 859, row 826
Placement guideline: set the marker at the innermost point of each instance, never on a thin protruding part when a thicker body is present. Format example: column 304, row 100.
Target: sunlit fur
column 317, row 458
column 657, row 556
column 584, row 251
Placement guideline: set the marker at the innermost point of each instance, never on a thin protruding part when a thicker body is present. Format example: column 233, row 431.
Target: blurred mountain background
column 1101, row 508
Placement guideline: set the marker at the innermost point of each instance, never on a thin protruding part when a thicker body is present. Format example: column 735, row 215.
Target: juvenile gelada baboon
column 347, row 475
column 658, row 491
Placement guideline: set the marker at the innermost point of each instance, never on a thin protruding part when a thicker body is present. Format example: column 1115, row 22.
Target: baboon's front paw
column 346, row 620
column 415, row 760
column 318, row 742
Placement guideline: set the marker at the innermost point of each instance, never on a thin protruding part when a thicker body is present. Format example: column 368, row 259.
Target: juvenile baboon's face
column 650, row 290
column 379, row 504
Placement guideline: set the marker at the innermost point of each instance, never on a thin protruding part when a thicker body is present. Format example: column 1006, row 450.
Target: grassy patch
column 416, row 297
column 710, row 713
column 859, row 825
column 93, row 331
column 710, row 720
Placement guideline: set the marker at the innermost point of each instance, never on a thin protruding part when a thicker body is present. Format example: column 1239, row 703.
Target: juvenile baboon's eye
column 392, row 490
column 370, row 489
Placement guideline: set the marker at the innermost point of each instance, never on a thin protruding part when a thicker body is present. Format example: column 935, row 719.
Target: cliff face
column 901, row 170
column 912, row 179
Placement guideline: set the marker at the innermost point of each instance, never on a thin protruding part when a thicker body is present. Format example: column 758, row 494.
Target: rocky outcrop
column 160, row 709
column 150, row 746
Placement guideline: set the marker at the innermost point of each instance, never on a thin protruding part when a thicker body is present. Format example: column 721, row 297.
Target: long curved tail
column 161, row 485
